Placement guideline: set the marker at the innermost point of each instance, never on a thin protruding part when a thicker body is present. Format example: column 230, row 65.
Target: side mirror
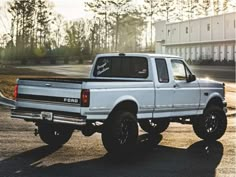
column 191, row 78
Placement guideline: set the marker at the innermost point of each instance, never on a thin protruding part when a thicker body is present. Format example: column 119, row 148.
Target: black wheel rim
column 211, row 122
column 152, row 124
column 124, row 132
column 56, row 133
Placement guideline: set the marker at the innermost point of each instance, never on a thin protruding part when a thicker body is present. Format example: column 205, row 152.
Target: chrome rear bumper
column 6, row 102
column 35, row 115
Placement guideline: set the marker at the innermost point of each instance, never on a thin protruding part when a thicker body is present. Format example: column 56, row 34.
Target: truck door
column 163, row 90
column 186, row 96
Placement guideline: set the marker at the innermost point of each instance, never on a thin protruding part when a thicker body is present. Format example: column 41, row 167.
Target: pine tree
column 119, row 10
column 29, row 17
column 150, row 8
column 101, row 8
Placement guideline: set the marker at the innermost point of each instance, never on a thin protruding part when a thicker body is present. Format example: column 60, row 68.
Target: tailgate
column 49, row 95
column 58, row 97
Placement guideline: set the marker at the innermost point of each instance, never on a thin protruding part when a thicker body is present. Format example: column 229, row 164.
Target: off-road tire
column 154, row 126
column 120, row 132
column 54, row 135
column 211, row 125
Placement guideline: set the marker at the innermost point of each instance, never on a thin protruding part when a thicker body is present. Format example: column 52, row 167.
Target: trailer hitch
column 6, row 101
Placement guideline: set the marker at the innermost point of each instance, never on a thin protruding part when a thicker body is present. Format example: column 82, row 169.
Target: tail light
column 15, row 92
column 85, row 96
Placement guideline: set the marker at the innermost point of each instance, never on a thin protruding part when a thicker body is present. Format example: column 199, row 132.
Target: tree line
column 117, row 25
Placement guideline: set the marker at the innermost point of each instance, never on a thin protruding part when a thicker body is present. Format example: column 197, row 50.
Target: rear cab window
column 121, row 66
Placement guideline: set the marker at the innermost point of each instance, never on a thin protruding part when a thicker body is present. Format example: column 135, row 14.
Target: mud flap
column 6, row 102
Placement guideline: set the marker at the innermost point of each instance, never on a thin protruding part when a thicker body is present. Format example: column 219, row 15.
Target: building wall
column 217, row 23
column 205, row 38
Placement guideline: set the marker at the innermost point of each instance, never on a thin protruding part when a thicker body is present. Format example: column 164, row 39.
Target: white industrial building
column 206, row 38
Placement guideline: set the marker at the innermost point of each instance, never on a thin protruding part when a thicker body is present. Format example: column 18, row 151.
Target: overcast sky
column 69, row 9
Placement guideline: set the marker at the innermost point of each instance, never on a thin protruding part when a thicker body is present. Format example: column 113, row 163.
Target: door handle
column 176, row 85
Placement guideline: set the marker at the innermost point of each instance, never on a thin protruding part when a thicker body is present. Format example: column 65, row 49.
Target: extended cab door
column 164, row 90
column 186, row 96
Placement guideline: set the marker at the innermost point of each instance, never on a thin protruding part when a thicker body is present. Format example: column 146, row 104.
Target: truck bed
column 64, row 94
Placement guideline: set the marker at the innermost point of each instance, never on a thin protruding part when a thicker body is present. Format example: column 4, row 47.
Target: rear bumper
column 6, row 102
column 56, row 117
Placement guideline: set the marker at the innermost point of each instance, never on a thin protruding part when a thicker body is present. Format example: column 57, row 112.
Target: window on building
column 186, row 30
column 168, row 32
column 208, row 27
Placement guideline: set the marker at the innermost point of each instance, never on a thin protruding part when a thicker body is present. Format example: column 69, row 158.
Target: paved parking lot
column 177, row 152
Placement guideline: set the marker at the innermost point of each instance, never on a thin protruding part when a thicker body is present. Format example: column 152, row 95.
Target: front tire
column 54, row 135
column 120, row 132
column 212, row 125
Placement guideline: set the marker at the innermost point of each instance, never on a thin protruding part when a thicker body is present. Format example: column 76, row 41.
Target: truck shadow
column 149, row 159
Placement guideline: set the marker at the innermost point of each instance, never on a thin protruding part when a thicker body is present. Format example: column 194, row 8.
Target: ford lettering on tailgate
column 71, row 100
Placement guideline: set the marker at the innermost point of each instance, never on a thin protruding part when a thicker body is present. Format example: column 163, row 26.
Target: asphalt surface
column 177, row 152
column 220, row 73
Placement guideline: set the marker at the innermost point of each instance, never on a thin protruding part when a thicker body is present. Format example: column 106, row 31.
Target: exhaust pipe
column 6, row 102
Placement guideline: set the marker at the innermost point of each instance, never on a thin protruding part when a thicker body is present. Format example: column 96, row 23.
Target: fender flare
column 125, row 98
column 213, row 96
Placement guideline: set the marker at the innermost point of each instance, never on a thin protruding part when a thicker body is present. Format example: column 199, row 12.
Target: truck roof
column 139, row 54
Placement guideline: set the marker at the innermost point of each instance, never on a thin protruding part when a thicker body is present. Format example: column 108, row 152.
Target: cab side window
column 162, row 71
column 180, row 72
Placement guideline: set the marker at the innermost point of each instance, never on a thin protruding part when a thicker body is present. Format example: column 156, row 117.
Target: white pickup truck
column 123, row 90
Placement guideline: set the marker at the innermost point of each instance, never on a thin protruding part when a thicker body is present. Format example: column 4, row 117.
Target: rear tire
column 120, row 132
column 212, row 125
column 154, row 126
column 54, row 135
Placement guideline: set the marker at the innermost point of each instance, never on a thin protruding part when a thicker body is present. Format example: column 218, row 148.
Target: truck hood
column 210, row 83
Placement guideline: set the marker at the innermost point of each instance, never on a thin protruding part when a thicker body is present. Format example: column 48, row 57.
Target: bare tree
column 167, row 8
column 204, row 7
column 57, row 23
column 191, row 6
column 228, row 5
column 216, row 7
